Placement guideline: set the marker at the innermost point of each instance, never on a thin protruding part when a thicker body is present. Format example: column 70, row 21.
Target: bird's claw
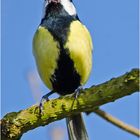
column 43, row 100
column 77, row 92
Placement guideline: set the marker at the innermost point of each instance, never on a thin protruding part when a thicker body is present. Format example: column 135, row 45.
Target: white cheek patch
column 44, row 7
column 69, row 7
column 45, row 3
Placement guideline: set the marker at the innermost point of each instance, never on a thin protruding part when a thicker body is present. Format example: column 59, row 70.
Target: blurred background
column 114, row 28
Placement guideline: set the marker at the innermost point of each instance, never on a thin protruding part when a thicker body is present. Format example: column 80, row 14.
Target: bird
column 62, row 48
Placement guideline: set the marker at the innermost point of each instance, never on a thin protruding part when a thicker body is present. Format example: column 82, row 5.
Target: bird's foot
column 77, row 91
column 43, row 100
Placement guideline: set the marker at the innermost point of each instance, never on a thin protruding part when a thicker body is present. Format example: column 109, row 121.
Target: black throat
column 57, row 21
column 65, row 78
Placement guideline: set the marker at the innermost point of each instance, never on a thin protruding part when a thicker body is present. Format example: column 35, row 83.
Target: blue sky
column 114, row 28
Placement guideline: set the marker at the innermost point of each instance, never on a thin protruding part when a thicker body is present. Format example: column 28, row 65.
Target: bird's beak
column 54, row 1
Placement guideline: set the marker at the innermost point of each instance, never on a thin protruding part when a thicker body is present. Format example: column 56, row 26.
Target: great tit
column 62, row 47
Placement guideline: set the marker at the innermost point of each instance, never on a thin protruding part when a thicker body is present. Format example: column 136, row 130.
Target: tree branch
column 14, row 124
column 117, row 122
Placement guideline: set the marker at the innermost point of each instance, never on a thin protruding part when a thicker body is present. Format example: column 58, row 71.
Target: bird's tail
column 76, row 128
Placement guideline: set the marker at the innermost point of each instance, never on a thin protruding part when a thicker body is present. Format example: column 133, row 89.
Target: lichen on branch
column 15, row 124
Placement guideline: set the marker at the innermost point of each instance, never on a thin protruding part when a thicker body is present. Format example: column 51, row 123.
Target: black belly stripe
column 65, row 78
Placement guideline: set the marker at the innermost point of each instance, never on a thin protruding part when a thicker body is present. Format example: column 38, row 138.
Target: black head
column 67, row 5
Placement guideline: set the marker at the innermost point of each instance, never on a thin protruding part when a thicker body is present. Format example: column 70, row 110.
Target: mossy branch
column 14, row 124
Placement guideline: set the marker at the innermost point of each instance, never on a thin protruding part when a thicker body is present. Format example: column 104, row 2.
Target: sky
column 114, row 29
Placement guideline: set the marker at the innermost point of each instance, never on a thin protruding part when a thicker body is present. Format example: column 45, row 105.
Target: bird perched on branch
column 62, row 47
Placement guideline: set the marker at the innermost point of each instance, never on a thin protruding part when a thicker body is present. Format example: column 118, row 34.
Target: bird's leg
column 43, row 100
column 77, row 92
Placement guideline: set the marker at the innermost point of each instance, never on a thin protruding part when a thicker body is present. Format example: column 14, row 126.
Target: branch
column 14, row 124
column 117, row 122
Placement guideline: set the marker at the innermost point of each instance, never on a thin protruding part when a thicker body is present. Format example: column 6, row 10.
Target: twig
column 117, row 122
column 14, row 124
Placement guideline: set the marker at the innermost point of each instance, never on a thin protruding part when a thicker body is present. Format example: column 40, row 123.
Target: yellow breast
column 46, row 52
column 79, row 44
